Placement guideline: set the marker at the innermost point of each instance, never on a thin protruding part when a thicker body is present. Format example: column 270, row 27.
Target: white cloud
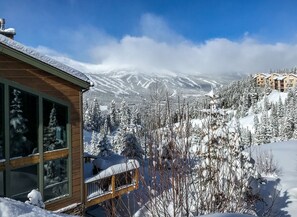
column 158, row 49
column 215, row 56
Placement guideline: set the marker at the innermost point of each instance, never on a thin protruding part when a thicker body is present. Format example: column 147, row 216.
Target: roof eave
column 44, row 66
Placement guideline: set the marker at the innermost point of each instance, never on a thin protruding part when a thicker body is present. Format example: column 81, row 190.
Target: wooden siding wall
column 29, row 76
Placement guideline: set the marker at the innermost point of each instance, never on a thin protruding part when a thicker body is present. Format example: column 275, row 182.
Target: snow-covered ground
column 9, row 208
column 285, row 153
column 286, row 205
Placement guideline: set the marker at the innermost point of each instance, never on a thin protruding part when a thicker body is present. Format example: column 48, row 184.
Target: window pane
column 22, row 181
column 1, row 183
column 55, row 179
column 23, row 121
column 1, row 123
column 55, row 118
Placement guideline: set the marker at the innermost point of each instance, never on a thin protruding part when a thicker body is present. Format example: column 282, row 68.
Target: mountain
column 134, row 86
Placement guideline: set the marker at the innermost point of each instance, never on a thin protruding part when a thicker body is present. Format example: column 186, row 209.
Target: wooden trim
column 109, row 196
column 2, row 166
column 113, row 185
column 136, row 178
column 57, row 154
column 24, row 161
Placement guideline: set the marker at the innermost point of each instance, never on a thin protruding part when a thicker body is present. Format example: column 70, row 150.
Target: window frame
column 7, row 164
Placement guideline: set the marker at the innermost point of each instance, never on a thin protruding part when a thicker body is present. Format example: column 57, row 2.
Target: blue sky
column 175, row 35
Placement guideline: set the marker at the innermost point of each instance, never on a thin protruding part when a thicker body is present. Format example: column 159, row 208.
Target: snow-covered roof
column 266, row 75
column 294, row 75
column 279, row 78
column 9, row 30
column 42, row 57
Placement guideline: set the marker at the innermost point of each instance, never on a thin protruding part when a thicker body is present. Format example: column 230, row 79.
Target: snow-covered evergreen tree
column 93, row 144
column 104, row 146
column 124, row 115
column 280, row 108
column 18, row 128
column 96, row 116
column 266, row 103
column 49, row 134
column 87, row 120
column 245, row 105
column 132, row 148
column 288, row 128
column 114, row 121
column 246, row 137
column 265, row 130
column 274, row 121
column 257, row 133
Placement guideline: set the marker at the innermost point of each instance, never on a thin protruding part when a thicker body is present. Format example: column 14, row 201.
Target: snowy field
column 285, row 153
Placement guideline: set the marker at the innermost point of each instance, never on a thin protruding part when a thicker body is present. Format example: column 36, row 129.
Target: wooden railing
column 111, row 184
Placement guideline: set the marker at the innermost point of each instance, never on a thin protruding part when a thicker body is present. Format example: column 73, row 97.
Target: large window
column 55, row 178
column 34, row 138
column 22, row 181
column 23, row 123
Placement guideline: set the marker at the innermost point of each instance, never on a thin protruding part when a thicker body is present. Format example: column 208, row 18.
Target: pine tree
column 245, row 105
column 265, row 131
column 124, row 115
column 114, row 122
column 257, row 134
column 246, row 137
column 288, row 128
column 87, row 120
column 49, row 136
column 95, row 116
column 266, row 104
column 132, row 148
column 280, row 109
column 94, row 143
column 18, row 128
column 104, row 146
column 274, row 121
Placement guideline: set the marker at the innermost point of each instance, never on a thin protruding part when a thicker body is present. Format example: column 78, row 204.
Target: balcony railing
column 113, row 182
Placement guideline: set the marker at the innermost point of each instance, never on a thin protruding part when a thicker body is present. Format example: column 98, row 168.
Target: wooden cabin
column 41, row 133
column 41, row 143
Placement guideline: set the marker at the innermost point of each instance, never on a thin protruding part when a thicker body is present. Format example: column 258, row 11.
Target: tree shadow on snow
column 272, row 203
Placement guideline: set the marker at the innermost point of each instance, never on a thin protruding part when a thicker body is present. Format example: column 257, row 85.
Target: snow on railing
column 114, row 181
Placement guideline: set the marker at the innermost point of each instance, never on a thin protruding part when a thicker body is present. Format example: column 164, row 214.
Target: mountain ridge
column 134, row 85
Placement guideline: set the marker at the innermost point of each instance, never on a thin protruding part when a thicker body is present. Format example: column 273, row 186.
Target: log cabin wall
column 29, row 76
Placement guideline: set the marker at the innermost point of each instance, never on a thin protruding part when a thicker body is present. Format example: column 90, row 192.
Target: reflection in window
column 54, row 129
column 1, row 183
column 23, row 180
column 23, row 121
column 1, row 123
column 55, row 179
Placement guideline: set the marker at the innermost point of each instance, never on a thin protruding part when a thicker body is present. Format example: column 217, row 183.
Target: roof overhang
column 44, row 66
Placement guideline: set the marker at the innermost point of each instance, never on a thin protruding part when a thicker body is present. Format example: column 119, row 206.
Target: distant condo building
column 280, row 82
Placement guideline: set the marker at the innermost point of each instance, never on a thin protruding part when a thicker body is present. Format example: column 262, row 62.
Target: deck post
column 113, row 185
column 136, row 178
